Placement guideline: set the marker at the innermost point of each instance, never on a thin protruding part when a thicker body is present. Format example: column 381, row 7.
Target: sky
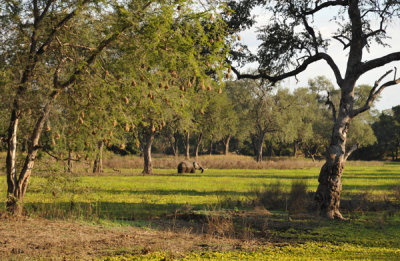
column 390, row 96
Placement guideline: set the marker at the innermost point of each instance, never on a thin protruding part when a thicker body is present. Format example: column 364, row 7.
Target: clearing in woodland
column 221, row 214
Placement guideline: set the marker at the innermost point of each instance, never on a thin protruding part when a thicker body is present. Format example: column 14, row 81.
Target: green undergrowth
column 226, row 202
column 307, row 251
column 132, row 196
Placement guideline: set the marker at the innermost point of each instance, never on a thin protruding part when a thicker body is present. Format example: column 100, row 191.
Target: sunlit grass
column 128, row 198
column 130, row 193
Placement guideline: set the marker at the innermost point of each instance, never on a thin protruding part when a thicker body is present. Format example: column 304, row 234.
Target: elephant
column 187, row 166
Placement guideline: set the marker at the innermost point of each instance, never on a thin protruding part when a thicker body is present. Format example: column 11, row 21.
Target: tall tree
column 291, row 41
column 49, row 48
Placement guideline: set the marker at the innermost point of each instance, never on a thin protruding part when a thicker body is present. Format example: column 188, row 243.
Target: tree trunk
column 12, row 180
column 211, row 147
column 198, row 145
column 295, row 148
column 98, row 162
column 187, row 144
column 226, row 143
column 148, row 166
column 260, row 143
column 69, row 161
column 330, row 177
column 173, row 140
column 17, row 186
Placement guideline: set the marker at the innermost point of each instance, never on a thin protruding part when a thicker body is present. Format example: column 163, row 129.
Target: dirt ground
column 38, row 238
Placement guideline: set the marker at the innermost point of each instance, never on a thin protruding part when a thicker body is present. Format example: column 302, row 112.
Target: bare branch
column 299, row 69
column 369, row 65
column 345, row 45
column 331, row 106
column 59, row 158
column 311, row 31
column 327, row 4
column 380, row 30
column 375, row 93
column 353, row 148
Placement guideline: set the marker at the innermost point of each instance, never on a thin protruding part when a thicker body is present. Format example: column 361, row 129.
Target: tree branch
column 46, row 8
column 311, row 31
column 296, row 71
column 327, row 4
column 331, row 106
column 50, row 37
column 369, row 65
column 58, row 158
column 375, row 93
column 353, row 148
column 103, row 44
column 338, row 37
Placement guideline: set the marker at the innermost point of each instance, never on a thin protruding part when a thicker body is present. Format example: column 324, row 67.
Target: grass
column 165, row 191
column 307, row 251
column 226, row 198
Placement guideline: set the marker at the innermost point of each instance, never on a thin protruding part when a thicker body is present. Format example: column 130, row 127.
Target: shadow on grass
column 160, row 192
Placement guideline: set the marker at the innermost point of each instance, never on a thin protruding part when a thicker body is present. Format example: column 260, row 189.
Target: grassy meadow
column 246, row 204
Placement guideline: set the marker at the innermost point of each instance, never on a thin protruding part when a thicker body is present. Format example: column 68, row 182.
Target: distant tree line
column 251, row 118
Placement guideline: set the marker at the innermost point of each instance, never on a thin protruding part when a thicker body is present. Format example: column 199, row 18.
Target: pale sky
column 390, row 96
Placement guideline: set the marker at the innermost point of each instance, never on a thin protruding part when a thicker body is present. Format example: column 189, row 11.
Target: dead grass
column 36, row 238
column 231, row 161
column 116, row 162
column 212, row 162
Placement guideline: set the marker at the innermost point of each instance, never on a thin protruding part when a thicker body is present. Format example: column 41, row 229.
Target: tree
column 290, row 42
column 262, row 112
column 51, row 40
column 387, row 130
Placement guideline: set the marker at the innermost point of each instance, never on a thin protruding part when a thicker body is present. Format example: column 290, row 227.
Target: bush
column 272, row 196
column 299, row 199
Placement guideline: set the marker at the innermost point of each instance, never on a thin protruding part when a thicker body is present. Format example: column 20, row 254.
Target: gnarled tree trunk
column 330, row 177
column 148, row 165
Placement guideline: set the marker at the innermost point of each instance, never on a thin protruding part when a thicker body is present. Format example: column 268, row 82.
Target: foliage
column 387, row 130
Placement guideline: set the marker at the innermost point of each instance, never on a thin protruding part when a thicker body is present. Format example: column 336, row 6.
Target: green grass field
column 129, row 198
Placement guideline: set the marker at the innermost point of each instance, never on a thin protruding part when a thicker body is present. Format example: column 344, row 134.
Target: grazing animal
column 187, row 166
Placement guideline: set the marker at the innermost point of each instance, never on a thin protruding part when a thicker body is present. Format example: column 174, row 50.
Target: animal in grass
column 187, row 166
